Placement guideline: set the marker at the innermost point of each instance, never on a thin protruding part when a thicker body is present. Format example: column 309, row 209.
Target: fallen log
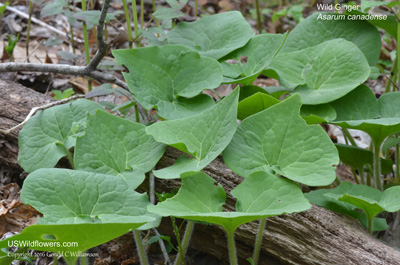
column 317, row 236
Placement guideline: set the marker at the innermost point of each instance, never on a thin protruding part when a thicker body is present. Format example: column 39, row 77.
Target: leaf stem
column 178, row 240
column 136, row 23
column 69, row 156
column 142, row 14
column 29, row 29
column 86, row 40
column 397, row 161
column 377, row 165
column 231, row 247
column 154, row 10
column 140, row 248
column 128, row 23
column 259, row 237
column 370, row 225
column 196, row 7
column 185, row 241
column 259, row 24
column 347, row 135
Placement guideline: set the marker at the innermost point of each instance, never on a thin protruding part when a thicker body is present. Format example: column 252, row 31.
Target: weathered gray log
column 317, row 236
column 16, row 101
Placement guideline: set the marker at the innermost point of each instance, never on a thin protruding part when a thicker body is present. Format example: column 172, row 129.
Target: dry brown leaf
column 82, row 83
column 14, row 215
column 225, row 5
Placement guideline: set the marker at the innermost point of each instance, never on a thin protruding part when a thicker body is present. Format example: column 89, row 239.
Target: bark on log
column 317, row 236
column 16, row 101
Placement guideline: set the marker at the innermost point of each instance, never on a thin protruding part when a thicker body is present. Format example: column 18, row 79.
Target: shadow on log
column 317, row 236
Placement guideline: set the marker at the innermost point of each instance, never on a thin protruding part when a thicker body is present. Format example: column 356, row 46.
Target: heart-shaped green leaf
column 313, row 31
column 213, row 36
column 204, row 136
column 254, row 104
column 48, row 135
column 361, row 110
column 331, row 203
column 371, row 201
column 314, row 114
column 259, row 196
column 257, row 54
column 158, row 76
column 185, row 107
column 60, row 238
column 66, row 196
column 113, row 145
column 271, row 140
column 322, row 73
column 357, row 158
column 82, row 207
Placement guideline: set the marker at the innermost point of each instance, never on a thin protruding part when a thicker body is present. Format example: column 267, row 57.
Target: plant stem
column 393, row 76
column 361, row 170
column 137, row 114
column 83, row 260
column 142, row 14
column 29, row 29
column 154, row 10
column 231, row 247
column 55, row 259
column 140, row 248
column 370, row 225
column 136, row 23
column 397, row 161
column 185, row 241
column 398, row 46
column 128, row 23
column 69, row 156
column 259, row 23
column 355, row 175
column 347, row 135
column 178, row 240
column 377, row 165
column 259, row 237
column 86, row 39
column 71, row 29
column 196, row 7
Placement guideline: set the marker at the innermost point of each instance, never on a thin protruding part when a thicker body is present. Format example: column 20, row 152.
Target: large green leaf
column 204, row 136
column 113, row 145
column 279, row 139
column 314, row 114
column 48, row 135
column 57, row 237
column 213, row 36
column 257, row 54
column 322, row 73
column 389, row 24
column 259, row 196
column 357, row 158
column 82, row 207
column 313, row 31
column 371, row 201
column 331, row 203
column 254, row 104
column 158, row 76
column 362, row 111
column 66, row 196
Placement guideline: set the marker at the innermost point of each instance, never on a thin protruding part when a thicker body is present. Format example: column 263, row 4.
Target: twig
column 62, row 69
column 35, row 109
column 41, row 23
